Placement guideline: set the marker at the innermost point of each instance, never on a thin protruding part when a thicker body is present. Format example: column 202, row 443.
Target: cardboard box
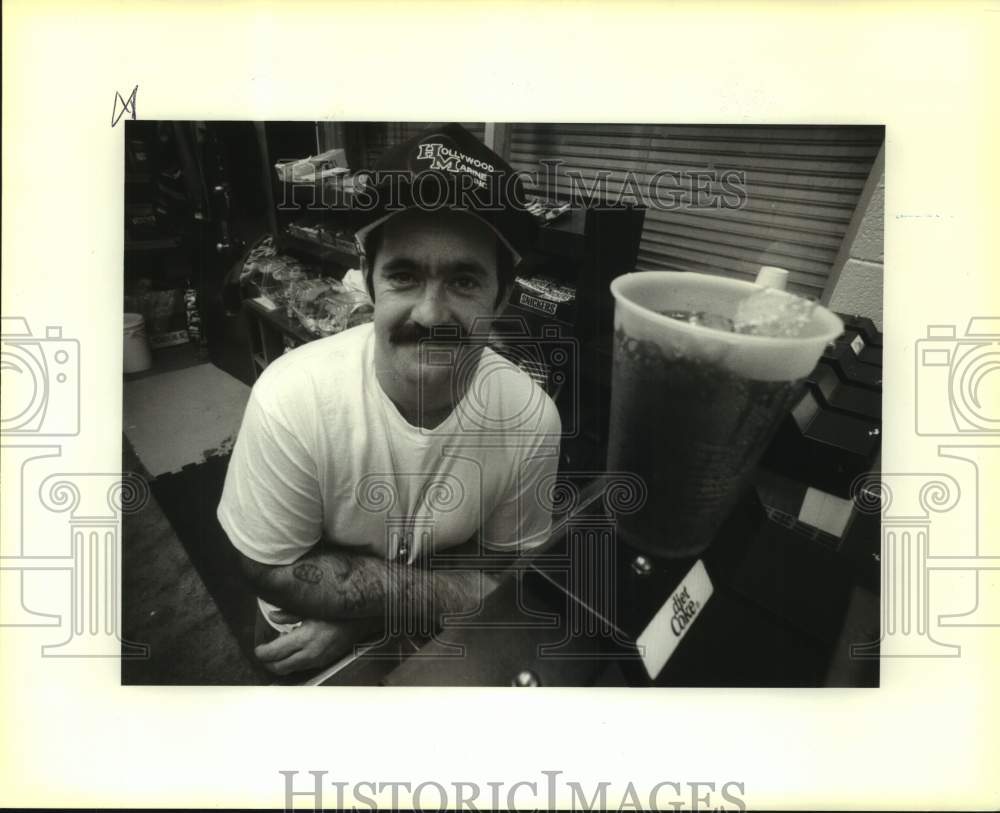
column 545, row 297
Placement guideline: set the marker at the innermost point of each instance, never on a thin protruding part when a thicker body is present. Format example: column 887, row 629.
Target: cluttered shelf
column 153, row 244
column 288, row 301
column 287, row 325
column 322, row 251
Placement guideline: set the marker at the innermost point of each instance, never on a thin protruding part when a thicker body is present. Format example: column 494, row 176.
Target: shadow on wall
column 857, row 271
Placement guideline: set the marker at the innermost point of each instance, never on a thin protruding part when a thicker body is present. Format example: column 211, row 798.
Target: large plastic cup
column 693, row 408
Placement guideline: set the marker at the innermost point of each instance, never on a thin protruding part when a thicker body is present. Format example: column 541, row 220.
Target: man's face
column 431, row 270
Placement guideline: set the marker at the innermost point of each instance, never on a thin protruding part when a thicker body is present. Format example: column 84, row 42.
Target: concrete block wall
column 857, row 273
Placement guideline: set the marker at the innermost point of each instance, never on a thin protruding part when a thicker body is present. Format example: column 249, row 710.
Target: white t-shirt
column 324, row 453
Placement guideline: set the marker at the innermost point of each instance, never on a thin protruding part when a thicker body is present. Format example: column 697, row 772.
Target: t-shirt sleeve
column 522, row 519
column 271, row 505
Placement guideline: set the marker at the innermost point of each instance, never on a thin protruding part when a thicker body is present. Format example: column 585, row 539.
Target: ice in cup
column 694, row 403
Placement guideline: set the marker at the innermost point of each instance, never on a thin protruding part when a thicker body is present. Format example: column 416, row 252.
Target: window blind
column 800, row 186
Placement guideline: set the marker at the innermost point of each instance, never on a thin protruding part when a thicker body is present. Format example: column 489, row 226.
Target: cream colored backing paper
column 72, row 736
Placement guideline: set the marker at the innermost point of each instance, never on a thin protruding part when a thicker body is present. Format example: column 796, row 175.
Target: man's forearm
column 332, row 583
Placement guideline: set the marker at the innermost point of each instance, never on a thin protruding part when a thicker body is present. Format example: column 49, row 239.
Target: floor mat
column 183, row 417
column 189, row 499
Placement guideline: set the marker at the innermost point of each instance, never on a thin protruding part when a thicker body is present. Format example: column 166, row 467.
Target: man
column 363, row 453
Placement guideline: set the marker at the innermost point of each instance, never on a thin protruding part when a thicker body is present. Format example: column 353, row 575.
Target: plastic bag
column 325, row 307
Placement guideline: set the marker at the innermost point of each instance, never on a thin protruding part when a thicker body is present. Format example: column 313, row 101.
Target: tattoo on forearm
column 308, row 572
column 336, row 584
column 339, row 577
column 342, row 567
column 353, row 602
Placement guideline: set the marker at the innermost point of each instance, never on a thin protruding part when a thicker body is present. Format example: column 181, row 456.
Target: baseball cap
column 446, row 167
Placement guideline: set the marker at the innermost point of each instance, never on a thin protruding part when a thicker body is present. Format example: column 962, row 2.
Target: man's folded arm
column 333, row 583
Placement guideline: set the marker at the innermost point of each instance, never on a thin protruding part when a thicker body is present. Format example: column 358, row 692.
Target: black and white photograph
column 502, row 404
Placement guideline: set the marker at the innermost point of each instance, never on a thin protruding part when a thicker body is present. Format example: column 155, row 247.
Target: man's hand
column 314, row 644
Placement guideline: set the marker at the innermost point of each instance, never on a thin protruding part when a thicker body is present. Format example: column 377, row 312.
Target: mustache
column 412, row 332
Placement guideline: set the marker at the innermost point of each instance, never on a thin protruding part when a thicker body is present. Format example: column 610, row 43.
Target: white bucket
column 136, row 351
